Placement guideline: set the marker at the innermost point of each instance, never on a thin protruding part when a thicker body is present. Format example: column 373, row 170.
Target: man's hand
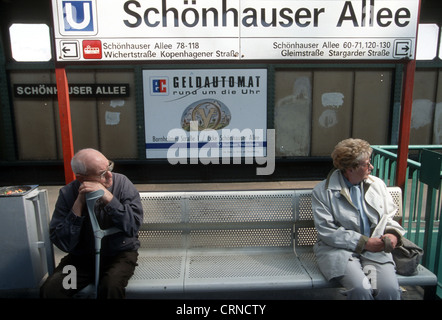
column 90, row 186
column 79, row 204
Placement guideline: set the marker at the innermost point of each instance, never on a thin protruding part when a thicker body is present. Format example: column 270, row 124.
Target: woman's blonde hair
column 350, row 152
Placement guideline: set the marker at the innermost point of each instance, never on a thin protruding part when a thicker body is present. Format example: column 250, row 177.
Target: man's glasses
column 101, row 175
column 110, row 167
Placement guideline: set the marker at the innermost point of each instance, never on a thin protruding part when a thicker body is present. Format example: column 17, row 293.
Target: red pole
column 405, row 122
column 64, row 108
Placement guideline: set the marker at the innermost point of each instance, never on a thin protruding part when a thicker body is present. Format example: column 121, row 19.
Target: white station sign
column 137, row 30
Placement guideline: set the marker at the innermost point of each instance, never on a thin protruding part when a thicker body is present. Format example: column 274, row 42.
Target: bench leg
column 429, row 292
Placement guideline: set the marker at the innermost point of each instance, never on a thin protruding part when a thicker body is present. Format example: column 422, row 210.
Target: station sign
column 83, row 90
column 171, row 30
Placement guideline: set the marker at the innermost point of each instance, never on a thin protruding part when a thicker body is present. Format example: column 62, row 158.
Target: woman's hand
column 392, row 243
column 374, row 245
column 378, row 245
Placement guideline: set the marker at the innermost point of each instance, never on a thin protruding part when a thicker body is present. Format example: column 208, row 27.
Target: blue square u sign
column 78, row 15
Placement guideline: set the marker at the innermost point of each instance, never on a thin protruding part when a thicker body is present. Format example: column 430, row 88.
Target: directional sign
column 69, row 50
column 402, row 48
column 135, row 30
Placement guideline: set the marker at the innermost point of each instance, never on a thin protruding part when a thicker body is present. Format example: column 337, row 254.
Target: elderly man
column 71, row 230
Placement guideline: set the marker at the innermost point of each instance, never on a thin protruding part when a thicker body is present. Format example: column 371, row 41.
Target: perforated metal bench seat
column 217, row 241
column 424, row 278
column 226, row 241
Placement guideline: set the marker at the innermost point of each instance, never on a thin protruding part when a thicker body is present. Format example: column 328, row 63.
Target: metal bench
column 197, row 243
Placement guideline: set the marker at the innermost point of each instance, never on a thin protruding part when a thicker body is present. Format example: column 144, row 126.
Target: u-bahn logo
column 79, row 17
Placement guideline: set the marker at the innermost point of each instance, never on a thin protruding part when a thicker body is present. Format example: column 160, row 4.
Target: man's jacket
column 73, row 234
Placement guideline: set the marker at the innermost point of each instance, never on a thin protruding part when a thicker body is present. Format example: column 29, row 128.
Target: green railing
column 421, row 198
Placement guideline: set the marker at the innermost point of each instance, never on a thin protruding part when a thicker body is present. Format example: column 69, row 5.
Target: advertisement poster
column 198, row 114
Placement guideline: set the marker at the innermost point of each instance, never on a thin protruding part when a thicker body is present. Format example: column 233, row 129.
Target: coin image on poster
column 209, row 113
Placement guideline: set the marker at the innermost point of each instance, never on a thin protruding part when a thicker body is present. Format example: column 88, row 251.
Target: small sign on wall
column 35, row 90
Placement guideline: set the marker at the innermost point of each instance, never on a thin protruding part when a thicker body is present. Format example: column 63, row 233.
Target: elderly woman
column 353, row 213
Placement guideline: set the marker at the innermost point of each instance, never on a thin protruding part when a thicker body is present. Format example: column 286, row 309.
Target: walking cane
column 99, row 234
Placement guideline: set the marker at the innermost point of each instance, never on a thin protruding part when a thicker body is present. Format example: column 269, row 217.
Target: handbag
column 407, row 256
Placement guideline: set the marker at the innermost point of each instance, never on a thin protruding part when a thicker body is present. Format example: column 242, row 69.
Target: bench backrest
column 218, row 219
column 231, row 219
